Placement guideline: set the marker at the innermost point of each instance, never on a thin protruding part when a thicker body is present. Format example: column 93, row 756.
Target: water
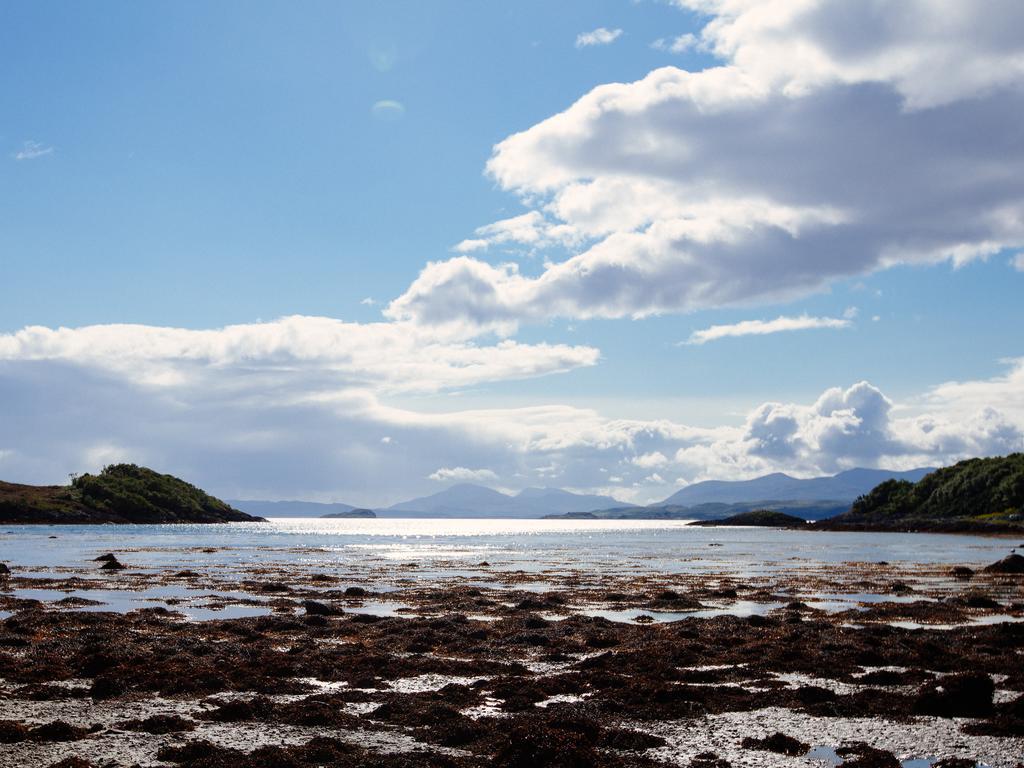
column 530, row 545
column 393, row 553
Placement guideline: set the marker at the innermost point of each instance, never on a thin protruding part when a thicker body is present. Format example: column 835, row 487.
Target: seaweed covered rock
column 968, row 694
column 777, row 742
column 1010, row 564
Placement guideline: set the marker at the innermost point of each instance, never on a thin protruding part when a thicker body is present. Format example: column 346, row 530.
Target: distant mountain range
column 814, row 498
column 715, row 510
column 290, row 508
column 468, row 500
column 846, row 486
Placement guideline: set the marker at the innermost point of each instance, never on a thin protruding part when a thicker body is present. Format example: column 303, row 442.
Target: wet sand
column 290, row 664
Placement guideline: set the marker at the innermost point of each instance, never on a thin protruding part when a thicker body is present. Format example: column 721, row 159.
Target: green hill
column 121, row 493
column 984, row 495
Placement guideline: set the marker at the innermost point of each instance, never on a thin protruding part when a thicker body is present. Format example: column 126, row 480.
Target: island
column 972, row 496
column 121, row 493
column 762, row 518
column 357, row 512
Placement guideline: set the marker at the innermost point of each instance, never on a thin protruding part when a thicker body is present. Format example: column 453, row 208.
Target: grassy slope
column 122, row 493
column 977, row 494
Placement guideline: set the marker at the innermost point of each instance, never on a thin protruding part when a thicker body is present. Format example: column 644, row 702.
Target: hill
column 985, row 495
column 121, row 493
column 845, row 486
column 468, row 500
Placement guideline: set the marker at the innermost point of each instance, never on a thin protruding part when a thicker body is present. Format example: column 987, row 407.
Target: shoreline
column 463, row 664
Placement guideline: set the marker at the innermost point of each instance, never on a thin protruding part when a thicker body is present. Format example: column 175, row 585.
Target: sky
column 360, row 251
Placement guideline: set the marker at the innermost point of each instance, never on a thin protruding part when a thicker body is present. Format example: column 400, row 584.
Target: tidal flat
column 520, row 643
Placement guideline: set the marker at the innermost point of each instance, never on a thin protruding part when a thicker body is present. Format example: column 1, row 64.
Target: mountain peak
column 778, row 486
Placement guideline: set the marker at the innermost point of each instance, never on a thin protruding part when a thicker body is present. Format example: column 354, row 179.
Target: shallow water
column 529, row 545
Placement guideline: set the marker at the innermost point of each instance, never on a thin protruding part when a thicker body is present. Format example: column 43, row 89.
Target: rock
column 962, row 572
column 4, row 570
column 272, row 587
column 979, row 600
column 58, row 730
column 355, row 592
column 366, row 618
column 159, row 724
column 861, row 755
column 11, row 732
column 112, row 564
column 73, row 601
column 107, row 558
column 968, row 694
column 630, row 741
column 1009, row 564
column 777, row 742
column 313, row 608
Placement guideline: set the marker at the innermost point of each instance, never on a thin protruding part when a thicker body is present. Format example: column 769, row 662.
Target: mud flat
column 298, row 663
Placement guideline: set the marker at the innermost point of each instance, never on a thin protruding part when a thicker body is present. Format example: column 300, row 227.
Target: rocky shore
column 532, row 671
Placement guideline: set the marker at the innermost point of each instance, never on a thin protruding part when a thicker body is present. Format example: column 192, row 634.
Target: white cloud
column 309, row 353
column 462, row 475
column 763, row 327
column 244, row 434
column 31, row 150
column 530, row 229
column 680, row 44
column 835, row 140
column 1018, row 262
column 599, row 36
column 932, row 51
column 369, row 301
column 650, row 460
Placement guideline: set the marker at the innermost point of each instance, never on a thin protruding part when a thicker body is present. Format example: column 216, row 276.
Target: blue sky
column 173, row 167
column 229, row 152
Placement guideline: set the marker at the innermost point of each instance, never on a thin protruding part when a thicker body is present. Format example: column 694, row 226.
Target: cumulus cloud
column 462, row 475
column 599, row 36
column 242, row 434
column 933, row 52
column 763, row 327
column 834, row 140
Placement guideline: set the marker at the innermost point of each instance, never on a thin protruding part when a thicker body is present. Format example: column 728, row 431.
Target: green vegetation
column 977, row 494
column 121, row 493
column 762, row 518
